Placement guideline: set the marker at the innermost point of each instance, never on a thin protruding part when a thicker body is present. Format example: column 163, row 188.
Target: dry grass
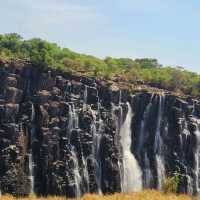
column 145, row 195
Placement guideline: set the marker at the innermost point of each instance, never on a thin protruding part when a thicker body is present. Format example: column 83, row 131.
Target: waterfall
column 147, row 172
column 32, row 113
column 197, row 160
column 183, row 138
column 132, row 175
column 160, row 166
column 120, row 110
column 96, row 128
column 143, row 125
column 30, row 155
column 85, row 97
column 96, row 152
column 31, row 174
column 71, row 121
column 73, row 124
column 160, row 171
column 73, row 118
column 142, row 152
column 118, row 123
column 77, row 176
column 86, row 174
column 184, row 141
column 194, row 107
column 157, row 142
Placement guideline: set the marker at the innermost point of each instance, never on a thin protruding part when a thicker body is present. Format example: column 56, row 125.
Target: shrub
column 171, row 184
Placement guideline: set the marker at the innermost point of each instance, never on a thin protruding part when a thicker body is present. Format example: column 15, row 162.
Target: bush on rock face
column 171, row 184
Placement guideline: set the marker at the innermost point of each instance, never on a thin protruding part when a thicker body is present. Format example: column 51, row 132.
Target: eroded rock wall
column 60, row 134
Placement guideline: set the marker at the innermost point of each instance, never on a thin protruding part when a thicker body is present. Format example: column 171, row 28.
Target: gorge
column 69, row 135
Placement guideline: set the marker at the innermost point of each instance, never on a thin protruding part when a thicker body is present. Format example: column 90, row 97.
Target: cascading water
column 132, row 175
column 160, row 171
column 32, row 113
column 120, row 119
column 97, row 143
column 85, row 174
column 143, row 126
column 96, row 129
column 197, row 160
column 74, row 117
column 31, row 174
column 77, row 176
column 73, row 124
column 160, row 166
column 96, row 152
column 30, row 155
column 85, row 97
column 118, row 123
column 147, row 174
column 184, row 141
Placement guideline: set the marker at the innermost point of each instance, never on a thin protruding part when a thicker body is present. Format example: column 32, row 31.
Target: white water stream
column 160, row 165
column 132, row 175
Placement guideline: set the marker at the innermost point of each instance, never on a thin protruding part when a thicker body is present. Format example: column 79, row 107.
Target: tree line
column 146, row 70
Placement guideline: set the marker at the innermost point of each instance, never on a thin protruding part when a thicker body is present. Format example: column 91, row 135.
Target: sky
column 168, row 30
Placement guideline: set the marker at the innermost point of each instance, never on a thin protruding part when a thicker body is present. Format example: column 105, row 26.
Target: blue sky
column 168, row 30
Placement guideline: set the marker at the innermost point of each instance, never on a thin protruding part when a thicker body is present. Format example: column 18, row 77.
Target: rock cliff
column 69, row 135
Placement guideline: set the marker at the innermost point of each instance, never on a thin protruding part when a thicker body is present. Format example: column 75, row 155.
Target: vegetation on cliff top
column 145, row 195
column 45, row 54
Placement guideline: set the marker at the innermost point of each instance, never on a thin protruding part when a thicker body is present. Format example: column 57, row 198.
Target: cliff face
column 65, row 135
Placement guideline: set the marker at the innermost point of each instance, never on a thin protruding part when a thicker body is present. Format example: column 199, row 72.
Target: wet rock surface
column 71, row 128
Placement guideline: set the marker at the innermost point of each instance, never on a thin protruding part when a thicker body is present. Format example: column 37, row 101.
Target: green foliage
column 148, row 63
column 44, row 54
column 171, row 184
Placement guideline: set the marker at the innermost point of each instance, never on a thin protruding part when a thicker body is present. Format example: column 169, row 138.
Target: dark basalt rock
column 71, row 126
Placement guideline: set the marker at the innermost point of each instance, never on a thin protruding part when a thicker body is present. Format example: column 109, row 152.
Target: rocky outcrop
column 60, row 134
